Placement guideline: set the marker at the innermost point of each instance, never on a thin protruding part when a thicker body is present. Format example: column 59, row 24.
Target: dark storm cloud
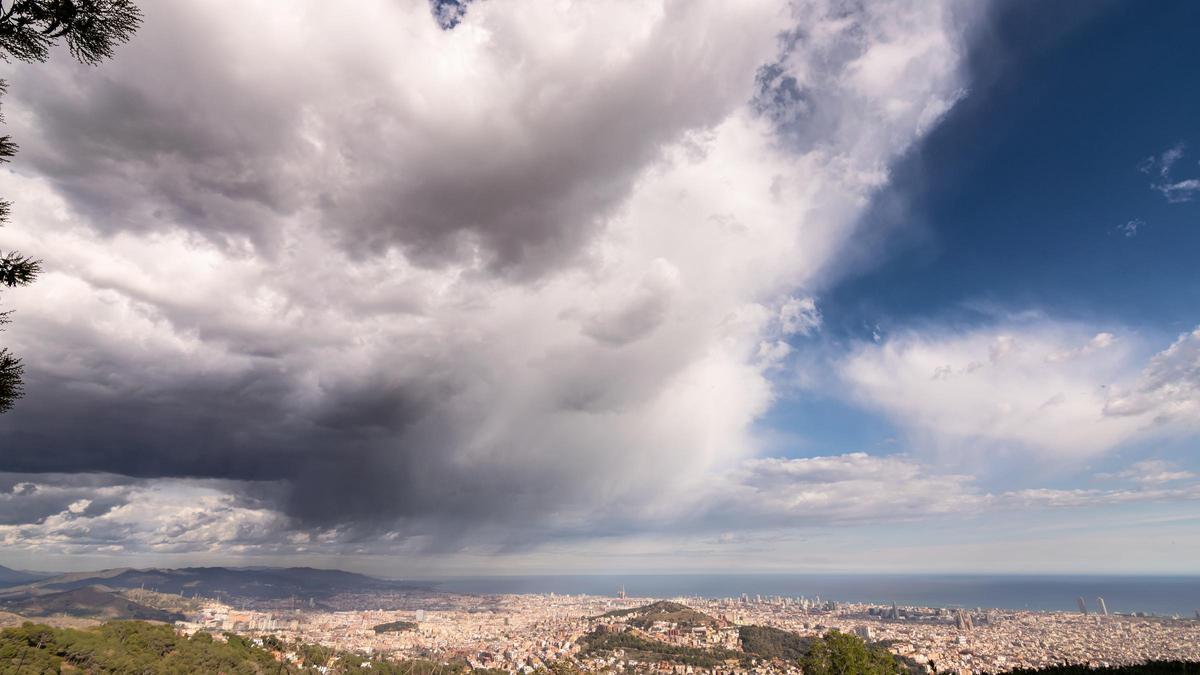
column 363, row 275
column 366, row 452
column 198, row 428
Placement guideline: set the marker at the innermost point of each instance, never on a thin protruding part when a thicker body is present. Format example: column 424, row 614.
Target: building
column 963, row 620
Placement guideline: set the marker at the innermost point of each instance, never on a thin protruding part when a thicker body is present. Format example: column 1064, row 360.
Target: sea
column 1156, row 595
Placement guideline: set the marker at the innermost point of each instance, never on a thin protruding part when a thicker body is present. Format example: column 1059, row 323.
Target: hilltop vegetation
column 395, row 627
column 127, row 647
column 833, row 654
column 772, row 643
column 644, row 649
column 156, row 649
column 663, row 610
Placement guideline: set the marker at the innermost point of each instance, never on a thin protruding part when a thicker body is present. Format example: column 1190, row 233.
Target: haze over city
column 425, row 290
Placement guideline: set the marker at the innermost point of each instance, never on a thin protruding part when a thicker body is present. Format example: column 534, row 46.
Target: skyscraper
column 963, row 620
column 1082, row 606
column 1103, row 607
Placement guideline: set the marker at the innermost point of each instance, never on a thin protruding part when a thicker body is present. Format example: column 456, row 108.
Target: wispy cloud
column 1130, row 228
column 1167, row 389
column 1175, row 191
column 1179, row 191
column 1150, row 471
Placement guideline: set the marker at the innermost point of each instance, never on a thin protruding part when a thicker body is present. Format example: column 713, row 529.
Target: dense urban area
column 528, row 632
column 235, row 620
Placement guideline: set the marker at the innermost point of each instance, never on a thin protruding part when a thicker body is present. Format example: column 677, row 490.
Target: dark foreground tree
column 10, row 379
column 15, row 270
column 28, row 29
column 90, row 28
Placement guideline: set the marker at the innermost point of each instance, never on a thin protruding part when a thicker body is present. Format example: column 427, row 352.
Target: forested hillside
column 140, row 647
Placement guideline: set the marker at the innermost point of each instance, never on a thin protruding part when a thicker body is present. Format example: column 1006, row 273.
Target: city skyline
column 457, row 288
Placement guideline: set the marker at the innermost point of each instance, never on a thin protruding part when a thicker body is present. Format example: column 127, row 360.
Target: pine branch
column 18, row 270
column 11, row 387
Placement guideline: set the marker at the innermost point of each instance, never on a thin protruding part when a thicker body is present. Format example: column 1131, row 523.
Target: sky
column 503, row 287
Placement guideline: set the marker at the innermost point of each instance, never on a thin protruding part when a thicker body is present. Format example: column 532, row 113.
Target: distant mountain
column 663, row 610
column 263, row 583
column 90, row 601
column 11, row 577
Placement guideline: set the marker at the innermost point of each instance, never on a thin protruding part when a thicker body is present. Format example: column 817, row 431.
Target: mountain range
column 257, row 583
column 11, row 577
column 96, row 602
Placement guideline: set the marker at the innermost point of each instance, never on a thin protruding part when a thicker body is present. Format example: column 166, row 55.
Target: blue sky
column 1017, row 201
column 1017, row 196
column 534, row 286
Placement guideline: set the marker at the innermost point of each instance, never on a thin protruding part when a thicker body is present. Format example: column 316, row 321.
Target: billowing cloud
column 493, row 143
column 63, row 514
column 1015, row 387
column 527, row 273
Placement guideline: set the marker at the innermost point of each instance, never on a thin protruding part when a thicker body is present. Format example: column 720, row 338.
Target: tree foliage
column 126, row 647
column 11, row 370
column 156, row 649
column 838, row 653
column 15, row 270
column 645, row 649
column 91, row 29
column 772, row 643
column 663, row 610
column 395, row 627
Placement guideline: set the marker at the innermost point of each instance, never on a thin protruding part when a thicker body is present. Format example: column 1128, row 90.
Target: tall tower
column 1103, row 607
column 621, row 592
column 1082, row 606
